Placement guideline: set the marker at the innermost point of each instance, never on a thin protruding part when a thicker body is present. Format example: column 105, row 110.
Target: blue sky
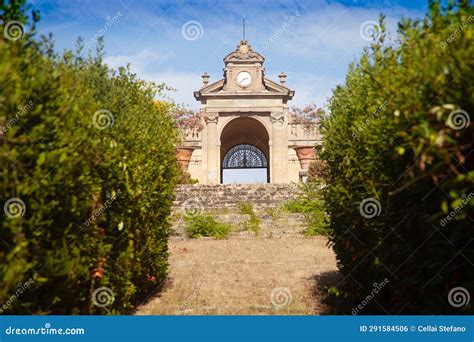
column 311, row 41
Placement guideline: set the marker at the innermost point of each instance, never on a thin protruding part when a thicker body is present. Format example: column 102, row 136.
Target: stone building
column 247, row 125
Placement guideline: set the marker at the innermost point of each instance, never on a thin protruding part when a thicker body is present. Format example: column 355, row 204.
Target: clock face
column 244, row 79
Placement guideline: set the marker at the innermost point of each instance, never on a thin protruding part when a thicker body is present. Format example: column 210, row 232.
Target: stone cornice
column 272, row 89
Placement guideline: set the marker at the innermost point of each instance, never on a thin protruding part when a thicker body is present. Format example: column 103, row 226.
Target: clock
column 244, row 79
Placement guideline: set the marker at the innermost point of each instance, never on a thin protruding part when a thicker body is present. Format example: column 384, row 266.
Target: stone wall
column 211, row 197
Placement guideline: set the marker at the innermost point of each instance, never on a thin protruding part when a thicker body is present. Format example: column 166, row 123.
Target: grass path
column 245, row 276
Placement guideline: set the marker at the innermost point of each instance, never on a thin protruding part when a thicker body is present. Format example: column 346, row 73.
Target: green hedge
column 398, row 142
column 90, row 154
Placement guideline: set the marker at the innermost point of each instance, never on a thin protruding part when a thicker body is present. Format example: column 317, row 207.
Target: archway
column 245, row 153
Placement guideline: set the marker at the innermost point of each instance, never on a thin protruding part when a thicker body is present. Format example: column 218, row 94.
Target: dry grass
column 237, row 277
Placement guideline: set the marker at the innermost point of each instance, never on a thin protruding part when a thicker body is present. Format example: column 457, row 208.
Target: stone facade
column 246, row 108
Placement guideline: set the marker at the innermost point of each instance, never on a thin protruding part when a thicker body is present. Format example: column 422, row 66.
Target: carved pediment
column 244, row 53
column 270, row 88
column 244, row 60
column 274, row 87
column 213, row 87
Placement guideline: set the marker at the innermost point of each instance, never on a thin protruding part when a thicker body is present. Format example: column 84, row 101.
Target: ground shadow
column 153, row 294
column 323, row 292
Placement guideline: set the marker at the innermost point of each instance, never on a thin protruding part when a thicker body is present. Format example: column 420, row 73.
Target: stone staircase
column 274, row 270
column 229, row 195
column 223, row 202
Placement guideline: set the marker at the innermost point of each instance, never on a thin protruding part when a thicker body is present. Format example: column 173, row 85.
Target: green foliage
column 317, row 221
column 91, row 156
column 297, row 205
column 253, row 224
column 317, row 169
column 185, row 178
column 311, row 204
column 391, row 137
column 205, row 225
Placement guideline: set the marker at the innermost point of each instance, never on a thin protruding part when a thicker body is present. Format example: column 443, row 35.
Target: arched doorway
column 245, row 152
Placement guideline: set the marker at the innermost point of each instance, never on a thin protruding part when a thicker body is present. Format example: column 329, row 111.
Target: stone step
column 228, row 196
column 279, row 225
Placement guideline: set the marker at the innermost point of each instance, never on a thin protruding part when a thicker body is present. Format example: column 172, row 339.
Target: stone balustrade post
column 279, row 160
column 213, row 174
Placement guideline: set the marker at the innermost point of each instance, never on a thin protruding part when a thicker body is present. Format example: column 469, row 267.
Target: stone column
column 279, row 163
column 212, row 176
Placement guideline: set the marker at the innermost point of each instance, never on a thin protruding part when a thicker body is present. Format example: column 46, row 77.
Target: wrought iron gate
column 244, row 157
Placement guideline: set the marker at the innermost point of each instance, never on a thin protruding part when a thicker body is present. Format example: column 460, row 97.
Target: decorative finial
column 282, row 78
column 205, row 79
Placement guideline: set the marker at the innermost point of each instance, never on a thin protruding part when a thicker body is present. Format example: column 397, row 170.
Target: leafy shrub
column 185, row 178
column 393, row 138
column 298, row 205
column 254, row 221
column 91, row 157
column 317, row 221
column 317, row 169
column 310, row 203
column 205, row 225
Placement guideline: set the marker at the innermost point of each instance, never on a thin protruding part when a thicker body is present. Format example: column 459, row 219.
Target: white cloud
column 309, row 88
column 184, row 83
column 328, row 32
column 146, row 61
column 140, row 62
column 314, row 49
